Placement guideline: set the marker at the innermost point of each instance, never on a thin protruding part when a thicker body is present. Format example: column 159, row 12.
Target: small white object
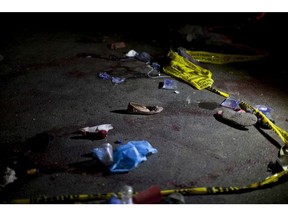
column 131, row 53
column 97, row 128
column 188, row 100
column 177, row 92
column 10, row 177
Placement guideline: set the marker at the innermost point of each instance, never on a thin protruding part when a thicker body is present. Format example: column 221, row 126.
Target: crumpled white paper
column 9, row 177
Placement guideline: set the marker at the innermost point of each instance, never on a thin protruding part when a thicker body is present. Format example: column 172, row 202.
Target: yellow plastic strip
column 201, row 78
column 268, row 182
column 219, row 58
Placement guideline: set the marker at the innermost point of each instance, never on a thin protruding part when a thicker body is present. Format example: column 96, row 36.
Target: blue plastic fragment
column 128, row 156
column 104, row 75
column 117, row 80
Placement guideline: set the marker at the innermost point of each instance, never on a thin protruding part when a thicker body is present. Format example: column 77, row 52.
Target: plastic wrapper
column 169, row 84
column 231, row 103
column 127, row 157
column 104, row 153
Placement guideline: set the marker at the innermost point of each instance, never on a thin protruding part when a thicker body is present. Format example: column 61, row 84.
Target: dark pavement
column 50, row 87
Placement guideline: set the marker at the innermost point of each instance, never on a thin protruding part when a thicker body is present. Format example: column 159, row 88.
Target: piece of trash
column 118, row 45
column 231, row 103
column 126, row 194
column 169, row 84
column 98, row 131
column 117, row 80
column 174, row 198
column 9, row 177
column 104, row 75
column 114, row 199
column 188, row 100
column 144, row 57
column 267, row 112
column 1, row 57
column 131, row 53
column 155, row 65
column 104, row 153
column 128, row 156
column 177, row 92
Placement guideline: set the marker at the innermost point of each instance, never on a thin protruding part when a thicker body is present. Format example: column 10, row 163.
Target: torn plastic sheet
column 117, row 80
column 127, row 157
column 104, row 75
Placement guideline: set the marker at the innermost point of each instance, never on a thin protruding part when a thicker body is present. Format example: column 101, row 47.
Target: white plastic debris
column 131, row 53
column 188, row 100
column 96, row 129
column 10, row 177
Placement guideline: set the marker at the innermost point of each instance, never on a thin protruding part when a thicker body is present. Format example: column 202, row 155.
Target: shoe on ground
column 242, row 119
column 136, row 108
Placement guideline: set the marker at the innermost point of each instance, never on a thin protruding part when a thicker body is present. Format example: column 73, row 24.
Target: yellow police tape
column 219, row 58
column 268, row 182
column 201, row 78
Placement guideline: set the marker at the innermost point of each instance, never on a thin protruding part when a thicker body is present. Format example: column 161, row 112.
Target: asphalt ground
column 50, row 89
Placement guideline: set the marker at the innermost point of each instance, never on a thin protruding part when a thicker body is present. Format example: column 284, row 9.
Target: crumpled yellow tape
column 221, row 58
column 201, row 78
column 189, row 72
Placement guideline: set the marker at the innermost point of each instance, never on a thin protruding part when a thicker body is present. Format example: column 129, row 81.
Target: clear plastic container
column 127, row 194
column 104, row 153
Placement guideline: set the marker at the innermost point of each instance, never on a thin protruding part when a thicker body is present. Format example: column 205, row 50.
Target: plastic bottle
column 104, row 153
column 127, row 195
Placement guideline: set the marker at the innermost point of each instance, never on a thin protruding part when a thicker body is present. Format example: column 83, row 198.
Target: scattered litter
column 104, row 153
column 99, row 131
column 118, row 45
column 131, row 53
column 128, row 156
column 114, row 80
column 177, row 92
column 144, row 57
column 114, row 199
column 141, row 56
column 267, row 112
column 9, row 177
column 174, row 198
column 126, row 194
column 104, row 75
column 117, row 80
column 169, row 84
column 188, row 100
column 155, row 65
column 231, row 103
